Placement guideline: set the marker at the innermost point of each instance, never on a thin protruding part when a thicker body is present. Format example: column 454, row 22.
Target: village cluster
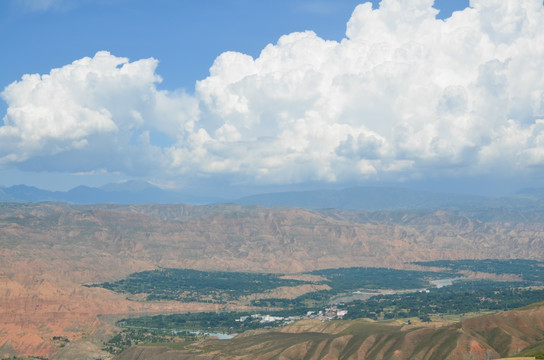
column 327, row 314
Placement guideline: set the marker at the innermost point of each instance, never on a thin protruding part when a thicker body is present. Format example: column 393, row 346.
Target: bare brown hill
column 48, row 251
column 481, row 338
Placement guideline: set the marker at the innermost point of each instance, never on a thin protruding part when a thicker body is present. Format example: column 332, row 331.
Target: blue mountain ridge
column 353, row 198
column 124, row 193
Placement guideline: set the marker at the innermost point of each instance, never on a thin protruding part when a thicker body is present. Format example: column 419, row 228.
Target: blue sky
column 186, row 36
column 271, row 93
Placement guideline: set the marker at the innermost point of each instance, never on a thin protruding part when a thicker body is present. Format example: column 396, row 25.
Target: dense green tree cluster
column 309, row 301
column 221, row 287
column 345, row 280
column 529, row 270
column 216, row 286
column 348, row 279
column 460, row 298
column 224, row 322
column 192, row 285
column 130, row 337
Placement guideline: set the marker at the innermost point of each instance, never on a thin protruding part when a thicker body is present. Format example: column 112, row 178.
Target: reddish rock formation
column 49, row 251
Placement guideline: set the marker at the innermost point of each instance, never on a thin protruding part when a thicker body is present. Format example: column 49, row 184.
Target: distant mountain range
column 354, row 198
column 364, row 198
column 388, row 198
column 130, row 192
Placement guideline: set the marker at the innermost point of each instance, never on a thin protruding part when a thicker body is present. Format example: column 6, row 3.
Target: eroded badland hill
column 49, row 251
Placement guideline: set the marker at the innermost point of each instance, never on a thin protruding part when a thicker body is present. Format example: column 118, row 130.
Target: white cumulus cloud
column 100, row 109
column 402, row 96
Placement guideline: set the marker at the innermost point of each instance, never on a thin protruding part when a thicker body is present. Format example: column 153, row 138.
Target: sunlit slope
column 484, row 337
column 103, row 242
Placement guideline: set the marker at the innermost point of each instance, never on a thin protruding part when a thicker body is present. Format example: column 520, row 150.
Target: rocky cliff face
column 49, row 251
column 35, row 310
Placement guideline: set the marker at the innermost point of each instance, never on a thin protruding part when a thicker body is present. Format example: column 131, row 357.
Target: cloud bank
column 403, row 96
